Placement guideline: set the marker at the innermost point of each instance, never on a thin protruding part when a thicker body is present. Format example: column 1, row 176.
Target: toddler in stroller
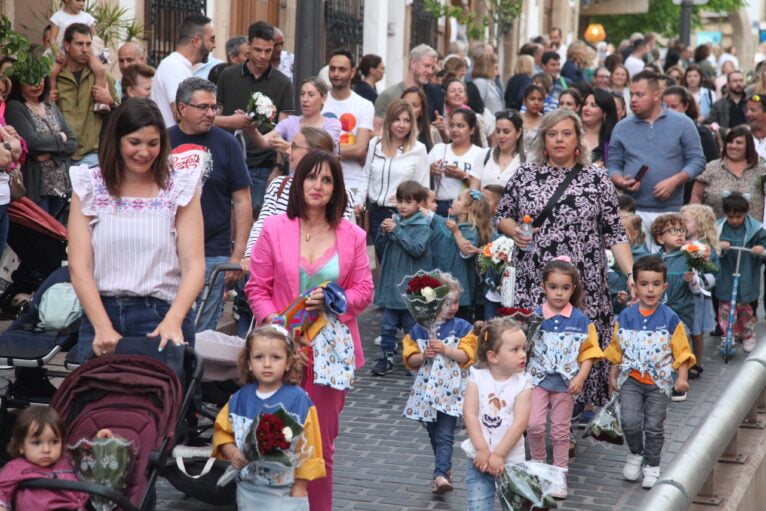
column 138, row 399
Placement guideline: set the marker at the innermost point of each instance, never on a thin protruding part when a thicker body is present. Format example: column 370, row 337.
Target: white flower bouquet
column 261, row 110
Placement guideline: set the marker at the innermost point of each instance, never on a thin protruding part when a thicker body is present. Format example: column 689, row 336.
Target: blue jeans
column 392, row 320
column 377, row 215
column 131, row 316
column 643, row 410
column 214, row 305
column 442, row 435
column 259, row 177
column 481, row 489
column 90, row 159
column 442, row 207
column 490, row 309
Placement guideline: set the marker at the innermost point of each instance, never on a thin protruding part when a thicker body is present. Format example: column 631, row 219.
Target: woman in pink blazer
column 310, row 244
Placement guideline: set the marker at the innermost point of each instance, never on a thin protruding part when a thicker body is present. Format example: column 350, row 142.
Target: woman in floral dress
column 583, row 223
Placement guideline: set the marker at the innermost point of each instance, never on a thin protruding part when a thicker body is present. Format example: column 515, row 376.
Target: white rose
column 428, row 293
column 288, row 433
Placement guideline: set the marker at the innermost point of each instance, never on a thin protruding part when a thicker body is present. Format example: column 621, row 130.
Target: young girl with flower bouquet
column 403, row 243
column 702, row 243
column 441, row 361
column 269, row 429
column 454, row 243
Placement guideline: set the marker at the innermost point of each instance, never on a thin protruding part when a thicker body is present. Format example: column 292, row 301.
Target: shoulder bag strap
column 282, row 186
column 546, row 212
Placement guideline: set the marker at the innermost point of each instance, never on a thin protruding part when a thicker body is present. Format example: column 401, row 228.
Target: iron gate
column 344, row 20
column 163, row 19
column 423, row 29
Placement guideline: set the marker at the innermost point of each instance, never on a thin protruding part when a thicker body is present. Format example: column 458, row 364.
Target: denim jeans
column 481, row 489
column 259, row 177
column 392, row 320
column 442, row 435
column 90, row 159
column 442, row 207
column 490, row 309
column 131, row 316
column 214, row 305
column 643, row 410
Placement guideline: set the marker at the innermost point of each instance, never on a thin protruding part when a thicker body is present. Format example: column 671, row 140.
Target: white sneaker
column 651, row 474
column 748, row 344
column 632, row 469
column 559, row 489
column 377, row 341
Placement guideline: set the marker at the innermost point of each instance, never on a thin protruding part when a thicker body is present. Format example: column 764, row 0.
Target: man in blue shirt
column 665, row 141
column 225, row 182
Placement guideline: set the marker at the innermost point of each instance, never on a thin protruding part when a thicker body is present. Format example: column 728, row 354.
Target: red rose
column 420, row 282
column 269, row 434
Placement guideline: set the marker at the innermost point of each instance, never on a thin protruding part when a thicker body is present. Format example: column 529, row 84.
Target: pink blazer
column 275, row 279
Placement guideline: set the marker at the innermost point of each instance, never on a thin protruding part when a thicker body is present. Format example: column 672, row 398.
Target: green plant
column 498, row 22
column 30, row 66
column 112, row 22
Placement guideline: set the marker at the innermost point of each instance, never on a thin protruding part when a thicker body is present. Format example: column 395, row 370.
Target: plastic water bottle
column 527, row 232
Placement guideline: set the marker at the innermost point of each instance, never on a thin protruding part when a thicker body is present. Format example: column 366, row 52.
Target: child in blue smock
column 403, row 241
column 454, row 240
column 738, row 229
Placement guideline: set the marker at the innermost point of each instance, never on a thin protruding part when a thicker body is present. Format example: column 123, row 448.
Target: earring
column 577, row 153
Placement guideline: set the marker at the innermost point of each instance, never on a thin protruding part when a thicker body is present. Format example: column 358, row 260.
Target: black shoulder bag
column 546, row 212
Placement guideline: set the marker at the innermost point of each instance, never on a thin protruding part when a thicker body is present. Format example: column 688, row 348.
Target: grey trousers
column 643, row 409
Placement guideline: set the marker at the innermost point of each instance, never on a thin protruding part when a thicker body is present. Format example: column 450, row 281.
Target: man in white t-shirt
column 635, row 61
column 356, row 116
column 196, row 40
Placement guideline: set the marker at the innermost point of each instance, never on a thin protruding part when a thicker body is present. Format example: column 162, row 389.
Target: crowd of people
column 615, row 158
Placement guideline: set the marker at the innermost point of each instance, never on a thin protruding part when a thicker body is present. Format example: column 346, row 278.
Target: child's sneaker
column 678, row 396
column 748, row 344
column 651, row 474
column 383, row 365
column 441, row 485
column 632, row 469
column 559, row 487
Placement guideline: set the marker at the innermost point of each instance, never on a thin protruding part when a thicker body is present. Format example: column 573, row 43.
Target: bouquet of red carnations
column 425, row 295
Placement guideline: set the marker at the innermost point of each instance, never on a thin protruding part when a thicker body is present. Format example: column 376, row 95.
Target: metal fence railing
column 690, row 476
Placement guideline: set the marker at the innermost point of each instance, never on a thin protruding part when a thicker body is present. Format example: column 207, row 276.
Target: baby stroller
column 40, row 243
column 139, row 399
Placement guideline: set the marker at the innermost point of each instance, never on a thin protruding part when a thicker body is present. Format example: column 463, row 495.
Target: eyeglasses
column 216, row 109
column 675, row 230
column 295, row 146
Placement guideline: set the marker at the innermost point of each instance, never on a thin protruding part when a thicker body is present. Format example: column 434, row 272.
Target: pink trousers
column 560, row 406
column 329, row 403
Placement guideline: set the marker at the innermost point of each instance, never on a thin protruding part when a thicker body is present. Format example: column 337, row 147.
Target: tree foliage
column 30, row 66
column 498, row 21
column 663, row 17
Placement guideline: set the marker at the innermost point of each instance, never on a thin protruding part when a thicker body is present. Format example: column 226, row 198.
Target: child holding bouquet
column 702, row 251
column 562, row 354
column 403, row 241
column 437, row 393
column 269, row 430
column 454, row 243
column 738, row 229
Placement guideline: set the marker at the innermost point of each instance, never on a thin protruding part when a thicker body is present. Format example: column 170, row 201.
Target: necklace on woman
column 307, row 235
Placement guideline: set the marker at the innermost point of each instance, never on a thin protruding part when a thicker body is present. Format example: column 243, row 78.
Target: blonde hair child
column 498, row 395
column 268, row 365
column 437, row 393
column 700, row 223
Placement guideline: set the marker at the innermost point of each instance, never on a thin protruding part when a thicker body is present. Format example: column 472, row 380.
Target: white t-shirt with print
column 353, row 113
column 63, row 20
column 496, row 402
column 472, row 162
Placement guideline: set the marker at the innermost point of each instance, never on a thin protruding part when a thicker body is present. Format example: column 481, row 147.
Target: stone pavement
column 384, row 462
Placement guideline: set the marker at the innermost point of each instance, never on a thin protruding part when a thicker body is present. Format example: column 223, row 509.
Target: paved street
column 384, row 462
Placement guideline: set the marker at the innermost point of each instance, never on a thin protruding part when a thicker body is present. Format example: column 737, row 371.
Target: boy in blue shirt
column 739, row 230
column 649, row 343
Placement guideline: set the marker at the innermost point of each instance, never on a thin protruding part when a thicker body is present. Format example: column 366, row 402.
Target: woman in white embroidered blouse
column 501, row 161
column 135, row 234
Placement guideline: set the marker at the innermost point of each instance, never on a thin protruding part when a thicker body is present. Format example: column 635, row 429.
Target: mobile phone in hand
column 641, row 172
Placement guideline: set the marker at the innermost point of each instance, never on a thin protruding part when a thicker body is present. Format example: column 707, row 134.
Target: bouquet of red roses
column 425, row 295
column 528, row 321
column 270, row 437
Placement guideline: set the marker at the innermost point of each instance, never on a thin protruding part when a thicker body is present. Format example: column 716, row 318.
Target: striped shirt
column 134, row 239
column 275, row 203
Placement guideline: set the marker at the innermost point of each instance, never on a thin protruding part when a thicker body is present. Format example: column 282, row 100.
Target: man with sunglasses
column 226, row 182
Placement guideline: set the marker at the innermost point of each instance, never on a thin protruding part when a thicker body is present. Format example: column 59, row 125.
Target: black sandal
column 695, row 372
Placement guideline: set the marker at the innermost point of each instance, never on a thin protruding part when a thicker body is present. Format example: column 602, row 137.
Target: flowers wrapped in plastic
column 268, row 442
column 698, row 257
column 528, row 321
column 606, row 425
column 106, row 461
column 425, row 295
column 526, row 486
column 260, row 110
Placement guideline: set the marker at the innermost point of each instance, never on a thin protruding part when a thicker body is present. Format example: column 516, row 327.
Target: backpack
column 59, row 307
